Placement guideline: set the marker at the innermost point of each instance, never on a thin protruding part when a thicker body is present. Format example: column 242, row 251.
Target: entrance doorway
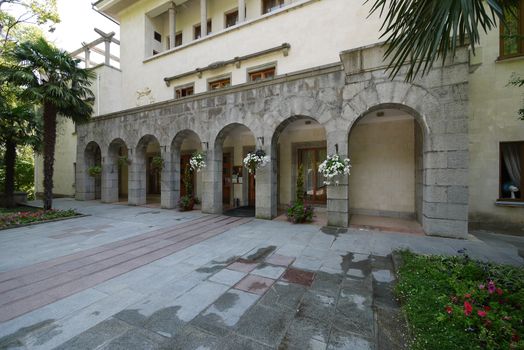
column 227, row 165
column 310, row 159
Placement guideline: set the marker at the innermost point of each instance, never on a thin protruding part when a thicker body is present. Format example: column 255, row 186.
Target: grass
column 457, row 303
column 26, row 215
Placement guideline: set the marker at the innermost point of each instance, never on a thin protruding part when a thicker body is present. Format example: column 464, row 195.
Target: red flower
column 487, row 308
column 467, row 296
column 467, row 308
column 499, row 291
column 481, row 313
column 449, row 310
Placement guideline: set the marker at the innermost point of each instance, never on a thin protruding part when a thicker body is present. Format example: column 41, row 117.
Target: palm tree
column 420, row 32
column 53, row 79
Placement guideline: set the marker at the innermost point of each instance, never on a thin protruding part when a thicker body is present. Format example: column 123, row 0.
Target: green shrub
column 457, row 303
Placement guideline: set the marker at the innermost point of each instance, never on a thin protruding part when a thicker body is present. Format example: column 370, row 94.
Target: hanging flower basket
column 123, row 161
column 94, row 171
column 157, row 163
column 255, row 160
column 197, row 162
column 334, row 167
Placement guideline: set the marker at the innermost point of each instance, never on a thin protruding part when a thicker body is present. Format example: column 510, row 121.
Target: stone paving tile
column 255, row 284
column 284, row 294
column 269, row 271
column 243, row 266
column 223, row 315
column 326, row 283
column 307, row 263
column 392, row 330
column 192, row 338
column 267, row 325
column 339, row 340
column 306, row 333
column 236, row 342
column 317, row 306
column 227, row 277
column 137, row 339
column 299, row 276
column 280, row 260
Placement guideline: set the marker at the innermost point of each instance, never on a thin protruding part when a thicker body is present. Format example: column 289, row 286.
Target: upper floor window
column 178, row 39
column 512, row 170
column 158, row 37
column 511, row 34
column 184, row 91
column 231, row 18
column 219, row 84
column 262, row 74
column 271, row 5
column 197, row 30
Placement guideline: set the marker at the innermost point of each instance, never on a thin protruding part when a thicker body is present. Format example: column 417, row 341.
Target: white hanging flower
column 332, row 167
column 197, row 162
column 255, row 160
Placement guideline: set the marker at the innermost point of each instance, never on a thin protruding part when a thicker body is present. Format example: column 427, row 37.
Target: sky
column 78, row 21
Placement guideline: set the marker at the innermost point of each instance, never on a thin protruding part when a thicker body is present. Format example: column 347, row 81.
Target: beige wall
column 493, row 119
column 65, row 158
column 322, row 47
column 383, row 166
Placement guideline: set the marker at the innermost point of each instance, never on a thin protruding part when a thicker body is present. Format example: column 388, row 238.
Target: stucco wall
column 65, row 158
column 353, row 29
column 493, row 119
column 383, row 167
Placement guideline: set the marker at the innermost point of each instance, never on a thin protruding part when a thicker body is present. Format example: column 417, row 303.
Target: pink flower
column 467, row 308
column 481, row 286
column 491, row 287
column 481, row 313
column 467, row 296
column 449, row 310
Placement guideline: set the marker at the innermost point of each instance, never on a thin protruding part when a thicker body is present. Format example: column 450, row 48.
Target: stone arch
column 116, row 177
column 213, row 195
column 174, row 188
column 288, row 162
column 92, row 156
column 138, row 175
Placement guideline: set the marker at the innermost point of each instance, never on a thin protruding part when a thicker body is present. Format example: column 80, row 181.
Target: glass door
column 314, row 188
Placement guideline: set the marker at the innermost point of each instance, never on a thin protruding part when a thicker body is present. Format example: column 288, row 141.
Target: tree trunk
column 10, row 161
column 49, row 152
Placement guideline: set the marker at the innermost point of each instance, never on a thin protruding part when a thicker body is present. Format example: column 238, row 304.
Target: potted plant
column 157, row 162
column 187, row 202
column 197, row 161
column 123, row 160
column 94, row 171
column 255, row 160
column 334, row 167
column 298, row 211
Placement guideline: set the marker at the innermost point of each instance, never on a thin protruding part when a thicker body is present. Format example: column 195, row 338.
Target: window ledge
column 509, row 59
column 508, row 203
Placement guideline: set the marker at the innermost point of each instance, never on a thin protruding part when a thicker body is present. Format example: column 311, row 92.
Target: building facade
column 301, row 80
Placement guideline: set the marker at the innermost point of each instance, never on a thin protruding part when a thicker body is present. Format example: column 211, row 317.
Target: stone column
column 266, row 187
column 212, row 182
column 172, row 26
column 241, row 11
column 81, row 176
column 137, row 180
column 203, row 18
column 87, row 56
column 338, row 196
column 107, row 52
column 168, row 196
column 109, row 179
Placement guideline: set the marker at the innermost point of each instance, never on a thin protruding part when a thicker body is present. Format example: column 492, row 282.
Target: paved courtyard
column 145, row 278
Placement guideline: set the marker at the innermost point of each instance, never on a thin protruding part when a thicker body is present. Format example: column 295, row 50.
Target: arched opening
column 236, row 186
column 299, row 142
column 184, row 145
column 149, row 167
column 93, row 166
column 118, row 177
column 386, row 181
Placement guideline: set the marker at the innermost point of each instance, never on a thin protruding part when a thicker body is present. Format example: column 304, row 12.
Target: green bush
column 24, row 171
column 457, row 303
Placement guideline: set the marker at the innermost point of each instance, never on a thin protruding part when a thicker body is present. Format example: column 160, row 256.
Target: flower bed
column 458, row 303
column 26, row 217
